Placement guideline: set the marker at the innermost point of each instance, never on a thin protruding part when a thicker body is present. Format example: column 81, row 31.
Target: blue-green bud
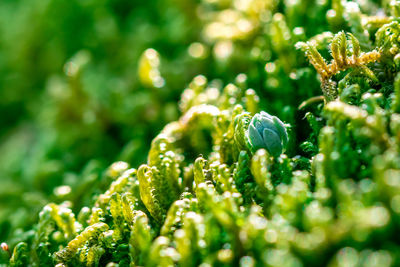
column 269, row 132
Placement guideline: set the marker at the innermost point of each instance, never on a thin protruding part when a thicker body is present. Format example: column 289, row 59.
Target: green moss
column 324, row 191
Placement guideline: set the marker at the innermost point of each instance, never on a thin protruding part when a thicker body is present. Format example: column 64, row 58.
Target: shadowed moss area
column 199, row 133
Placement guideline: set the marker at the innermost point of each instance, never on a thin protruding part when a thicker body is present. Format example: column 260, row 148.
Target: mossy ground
column 166, row 90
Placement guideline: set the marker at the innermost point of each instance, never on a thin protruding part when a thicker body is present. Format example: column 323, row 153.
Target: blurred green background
column 70, row 96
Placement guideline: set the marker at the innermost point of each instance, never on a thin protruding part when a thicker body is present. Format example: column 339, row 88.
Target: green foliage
column 256, row 170
column 342, row 60
column 20, row 255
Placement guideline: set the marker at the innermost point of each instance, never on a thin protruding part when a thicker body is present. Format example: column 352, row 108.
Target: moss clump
column 210, row 193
